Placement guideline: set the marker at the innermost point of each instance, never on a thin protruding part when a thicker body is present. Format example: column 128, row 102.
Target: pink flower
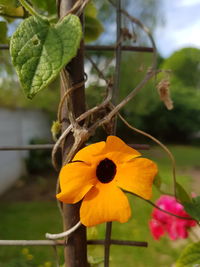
column 162, row 222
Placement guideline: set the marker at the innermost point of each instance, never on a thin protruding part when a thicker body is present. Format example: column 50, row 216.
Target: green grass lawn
column 31, row 220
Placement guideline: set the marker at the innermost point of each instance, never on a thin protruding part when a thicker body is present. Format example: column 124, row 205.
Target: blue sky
column 181, row 28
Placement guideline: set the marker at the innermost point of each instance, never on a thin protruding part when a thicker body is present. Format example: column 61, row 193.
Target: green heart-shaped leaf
column 40, row 50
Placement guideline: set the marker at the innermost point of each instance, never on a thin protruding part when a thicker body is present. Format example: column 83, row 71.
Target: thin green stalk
column 157, row 207
column 161, row 145
column 30, row 9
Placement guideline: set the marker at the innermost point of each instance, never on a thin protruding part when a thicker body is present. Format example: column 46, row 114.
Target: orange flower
column 96, row 174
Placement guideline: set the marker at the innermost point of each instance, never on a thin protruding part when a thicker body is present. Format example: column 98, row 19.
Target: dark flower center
column 106, row 171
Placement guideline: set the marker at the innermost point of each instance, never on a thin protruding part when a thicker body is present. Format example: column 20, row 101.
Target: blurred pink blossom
column 162, row 222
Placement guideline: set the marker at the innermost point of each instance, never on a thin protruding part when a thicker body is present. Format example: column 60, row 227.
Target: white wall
column 17, row 127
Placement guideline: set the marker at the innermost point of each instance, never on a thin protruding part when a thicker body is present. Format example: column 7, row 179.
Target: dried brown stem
column 67, row 93
column 70, row 110
column 77, row 9
column 116, row 109
column 79, row 119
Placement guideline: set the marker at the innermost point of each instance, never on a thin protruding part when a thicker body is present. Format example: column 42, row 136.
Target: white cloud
column 188, row 36
column 187, row 2
column 182, row 28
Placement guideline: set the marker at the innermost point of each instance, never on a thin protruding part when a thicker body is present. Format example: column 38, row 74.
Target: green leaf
column 11, row 3
column 40, row 50
column 181, row 194
column 190, row 256
column 12, row 11
column 55, row 129
column 93, row 29
column 193, row 208
column 3, row 31
column 90, row 10
column 95, row 261
column 45, row 5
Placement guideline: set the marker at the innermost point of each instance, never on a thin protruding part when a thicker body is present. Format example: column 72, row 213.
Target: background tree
column 181, row 123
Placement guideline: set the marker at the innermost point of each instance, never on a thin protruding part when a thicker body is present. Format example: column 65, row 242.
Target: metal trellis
column 118, row 48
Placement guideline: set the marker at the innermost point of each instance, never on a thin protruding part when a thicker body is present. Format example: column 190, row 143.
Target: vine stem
column 30, row 9
column 63, row 234
column 160, row 144
column 157, row 207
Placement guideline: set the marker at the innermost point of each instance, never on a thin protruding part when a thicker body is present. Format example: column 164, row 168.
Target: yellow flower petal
column 137, row 176
column 118, row 151
column 87, row 153
column 76, row 179
column 104, row 203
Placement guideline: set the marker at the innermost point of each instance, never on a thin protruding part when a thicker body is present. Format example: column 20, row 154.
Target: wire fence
column 118, row 48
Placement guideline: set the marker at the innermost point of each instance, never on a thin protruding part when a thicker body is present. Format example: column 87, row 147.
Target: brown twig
column 79, row 119
column 116, row 109
column 70, row 90
column 67, row 85
column 77, row 8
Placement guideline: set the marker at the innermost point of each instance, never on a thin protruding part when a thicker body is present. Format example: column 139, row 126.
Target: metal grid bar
column 123, row 48
column 63, row 242
column 27, row 147
column 104, row 48
column 50, row 146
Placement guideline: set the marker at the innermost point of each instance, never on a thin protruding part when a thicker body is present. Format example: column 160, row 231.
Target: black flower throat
column 106, row 171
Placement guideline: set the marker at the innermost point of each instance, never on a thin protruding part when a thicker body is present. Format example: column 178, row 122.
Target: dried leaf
column 163, row 90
